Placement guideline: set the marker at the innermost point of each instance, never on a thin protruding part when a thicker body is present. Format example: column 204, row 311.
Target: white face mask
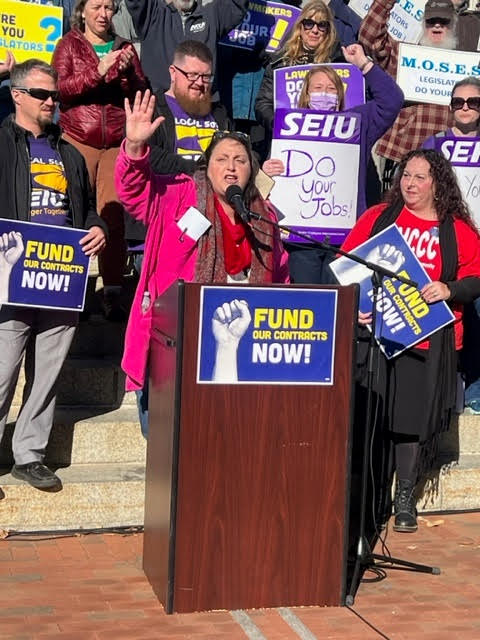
column 321, row 101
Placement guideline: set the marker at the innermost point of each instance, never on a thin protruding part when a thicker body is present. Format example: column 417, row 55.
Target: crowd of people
column 130, row 112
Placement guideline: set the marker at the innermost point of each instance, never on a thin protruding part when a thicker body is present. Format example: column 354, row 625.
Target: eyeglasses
column 193, row 76
column 431, row 22
column 308, row 24
column 40, row 94
column 472, row 103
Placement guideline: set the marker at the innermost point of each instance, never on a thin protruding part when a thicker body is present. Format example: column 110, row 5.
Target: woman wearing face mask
column 465, row 107
column 313, row 40
column 323, row 91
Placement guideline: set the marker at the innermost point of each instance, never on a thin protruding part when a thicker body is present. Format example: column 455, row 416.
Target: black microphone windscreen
column 232, row 191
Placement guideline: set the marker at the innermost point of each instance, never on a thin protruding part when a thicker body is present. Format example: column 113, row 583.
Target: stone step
column 463, row 437
column 93, row 496
column 87, row 382
column 84, row 436
column 455, row 489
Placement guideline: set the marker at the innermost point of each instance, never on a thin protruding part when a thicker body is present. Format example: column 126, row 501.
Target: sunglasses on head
column 308, row 24
column 40, row 94
column 472, row 103
column 431, row 22
column 234, row 135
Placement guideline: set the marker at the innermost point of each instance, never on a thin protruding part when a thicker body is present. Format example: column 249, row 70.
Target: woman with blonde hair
column 313, row 40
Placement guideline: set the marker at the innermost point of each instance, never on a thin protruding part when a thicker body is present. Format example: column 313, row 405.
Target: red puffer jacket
column 91, row 105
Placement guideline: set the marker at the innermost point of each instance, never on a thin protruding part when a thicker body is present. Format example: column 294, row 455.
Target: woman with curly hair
column 313, row 40
column 417, row 388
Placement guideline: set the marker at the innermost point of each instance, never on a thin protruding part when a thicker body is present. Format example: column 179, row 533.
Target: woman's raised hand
column 139, row 125
column 354, row 54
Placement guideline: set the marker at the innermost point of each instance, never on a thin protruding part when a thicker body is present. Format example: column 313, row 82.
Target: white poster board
column 427, row 74
column 406, row 18
column 317, row 193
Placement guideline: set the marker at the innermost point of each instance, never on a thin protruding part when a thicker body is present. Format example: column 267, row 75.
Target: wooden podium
column 247, row 485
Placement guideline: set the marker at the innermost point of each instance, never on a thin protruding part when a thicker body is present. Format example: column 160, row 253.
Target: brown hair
column 449, row 201
column 315, row 10
column 77, row 20
column 304, row 98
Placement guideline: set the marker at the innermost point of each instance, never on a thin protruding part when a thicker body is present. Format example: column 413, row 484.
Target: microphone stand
column 365, row 558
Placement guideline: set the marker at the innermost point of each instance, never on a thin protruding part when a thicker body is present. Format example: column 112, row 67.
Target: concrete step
column 87, row 382
column 84, row 436
column 454, row 489
column 463, row 437
column 93, row 496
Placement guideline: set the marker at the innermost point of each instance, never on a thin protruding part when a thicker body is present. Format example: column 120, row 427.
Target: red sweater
column 422, row 236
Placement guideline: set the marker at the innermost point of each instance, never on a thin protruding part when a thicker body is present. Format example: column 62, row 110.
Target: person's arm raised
column 139, row 126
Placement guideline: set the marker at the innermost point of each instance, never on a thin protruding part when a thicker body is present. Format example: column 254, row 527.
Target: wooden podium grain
column 247, row 486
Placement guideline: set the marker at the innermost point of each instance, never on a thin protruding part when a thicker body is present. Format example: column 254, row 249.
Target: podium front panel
column 260, row 472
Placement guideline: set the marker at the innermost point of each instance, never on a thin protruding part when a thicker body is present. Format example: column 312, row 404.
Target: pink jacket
column 159, row 201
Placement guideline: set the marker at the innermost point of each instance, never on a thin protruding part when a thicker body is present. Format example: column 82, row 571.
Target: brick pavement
column 92, row 587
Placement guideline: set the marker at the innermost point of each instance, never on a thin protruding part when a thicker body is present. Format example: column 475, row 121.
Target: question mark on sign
column 55, row 26
column 277, row 35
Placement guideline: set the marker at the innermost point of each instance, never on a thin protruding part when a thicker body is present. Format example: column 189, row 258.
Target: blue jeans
column 142, row 405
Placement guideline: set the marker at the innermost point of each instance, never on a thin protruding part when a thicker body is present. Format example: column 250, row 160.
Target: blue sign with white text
column 266, row 335
column 42, row 266
column 403, row 317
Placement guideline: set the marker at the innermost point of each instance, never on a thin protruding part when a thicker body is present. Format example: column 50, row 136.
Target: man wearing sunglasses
column 442, row 28
column 42, row 179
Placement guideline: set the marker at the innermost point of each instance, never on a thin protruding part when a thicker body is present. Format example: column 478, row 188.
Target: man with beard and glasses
column 161, row 25
column 191, row 118
column 443, row 28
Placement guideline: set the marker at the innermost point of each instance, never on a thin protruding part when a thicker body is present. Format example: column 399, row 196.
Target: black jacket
column 160, row 29
column 264, row 102
column 15, row 183
column 163, row 158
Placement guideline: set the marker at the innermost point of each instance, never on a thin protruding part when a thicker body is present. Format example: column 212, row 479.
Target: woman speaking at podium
column 193, row 231
column 418, row 388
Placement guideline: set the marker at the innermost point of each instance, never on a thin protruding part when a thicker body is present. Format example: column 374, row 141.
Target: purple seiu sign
column 264, row 27
column 317, row 193
column 464, row 156
column 288, row 83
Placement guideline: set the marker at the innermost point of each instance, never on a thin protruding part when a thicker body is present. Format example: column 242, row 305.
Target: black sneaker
column 36, row 474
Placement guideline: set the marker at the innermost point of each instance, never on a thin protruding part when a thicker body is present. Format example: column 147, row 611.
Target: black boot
column 404, row 506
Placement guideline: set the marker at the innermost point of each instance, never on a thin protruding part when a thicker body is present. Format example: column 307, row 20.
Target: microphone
column 234, row 196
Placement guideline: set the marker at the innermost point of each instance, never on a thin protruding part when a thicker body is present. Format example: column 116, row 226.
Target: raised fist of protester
column 139, row 126
column 354, row 54
column 11, row 248
column 230, row 321
column 435, row 292
column 386, row 256
column 7, row 65
column 273, row 167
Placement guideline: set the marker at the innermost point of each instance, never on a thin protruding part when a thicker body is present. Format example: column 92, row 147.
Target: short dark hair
column 193, row 49
column 20, row 71
column 471, row 81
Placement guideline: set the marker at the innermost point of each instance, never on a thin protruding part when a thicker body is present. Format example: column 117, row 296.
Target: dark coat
column 15, row 183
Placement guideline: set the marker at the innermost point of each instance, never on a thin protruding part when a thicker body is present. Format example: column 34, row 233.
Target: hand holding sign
column 435, row 292
column 7, row 65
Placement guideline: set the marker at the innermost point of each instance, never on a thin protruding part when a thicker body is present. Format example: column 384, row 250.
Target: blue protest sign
column 403, row 318
column 266, row 335
column 264, row 27
column 42, row 266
